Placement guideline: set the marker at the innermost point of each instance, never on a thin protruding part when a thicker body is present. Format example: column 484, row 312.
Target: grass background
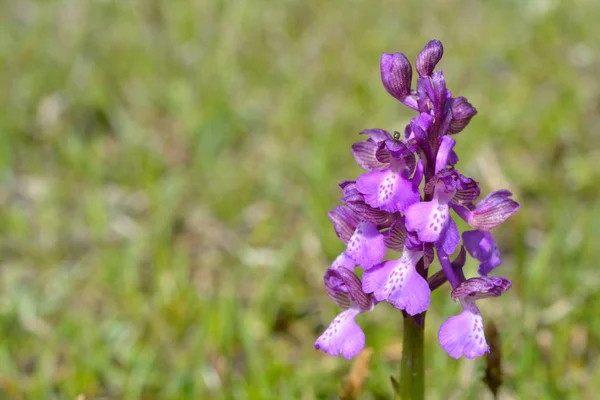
column 166, row 169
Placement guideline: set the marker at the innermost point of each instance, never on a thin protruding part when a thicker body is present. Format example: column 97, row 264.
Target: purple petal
column 396, row 74
column 377, row 135
column 343, row 261
column 409, row 291
column 343, row 336
column 442, row 186
column 452, row 158
column 364, row 154
column 463, row 334
column 344, row 222
column 351, row 194
column 423, row 120
column 356, row 201
column 481, row 287
column 467, row 189
column 396, row 236
column 345, row 289
column 482, row 246
column 439, row 88
column 444, row 151
column 428, row 218
column 343, row 184
column 418, row 132
column 449, row 238
column 383, row 153
column 493, row 210
column 373, row 280
column 423, row 84
column 368, row 213
column 336, row 288
column 398, row 282
column 418, row 176
column 360, row 299
column 366, row 246
column 428, row 254
column 387, row 190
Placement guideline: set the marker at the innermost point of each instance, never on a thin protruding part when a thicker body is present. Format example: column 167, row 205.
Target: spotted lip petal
column 462, row 334
column 428, row 219
column 343, row 336
column 414, row 296
column 397, row 282
column 366, row 246
column 387, row 190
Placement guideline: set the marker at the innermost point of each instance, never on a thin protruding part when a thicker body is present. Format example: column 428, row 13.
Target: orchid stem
column 412, row 367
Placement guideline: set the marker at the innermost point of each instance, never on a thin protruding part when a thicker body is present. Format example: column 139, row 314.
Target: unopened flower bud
column 396, row 74
column 462, row 112
column 429, row 57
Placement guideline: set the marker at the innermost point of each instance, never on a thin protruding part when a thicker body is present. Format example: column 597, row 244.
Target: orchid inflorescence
column 385, row 209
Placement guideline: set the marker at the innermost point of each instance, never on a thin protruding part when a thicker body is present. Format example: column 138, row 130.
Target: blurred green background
column 166, row 169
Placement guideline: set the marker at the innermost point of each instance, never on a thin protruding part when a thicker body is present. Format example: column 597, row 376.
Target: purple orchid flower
column 463, row 334
column 390, row 163
column 490, row 212
column 365, row 243
column 387, row 209
column 431, row 219
column 344, row 336
column 397, row 281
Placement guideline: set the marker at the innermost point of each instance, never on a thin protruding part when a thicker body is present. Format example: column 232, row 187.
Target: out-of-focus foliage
column 166, row 169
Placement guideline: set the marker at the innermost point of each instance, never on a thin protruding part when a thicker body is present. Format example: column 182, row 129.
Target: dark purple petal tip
column 462, row 112
column 359, row 299
column 482, row 287
column 396, row 74
column 344, row 222
column 429, row 57
column 345, row 289
column 467, row 189
column 395, row 237
column 365, row 155
column 376, row 134
column 336, row 288
column 493, row 210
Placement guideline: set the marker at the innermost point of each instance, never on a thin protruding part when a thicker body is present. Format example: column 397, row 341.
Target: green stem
column 412, row 367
